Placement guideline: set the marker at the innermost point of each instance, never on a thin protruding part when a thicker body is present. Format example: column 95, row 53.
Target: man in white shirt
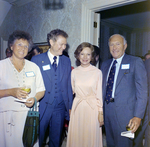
column 125, row 100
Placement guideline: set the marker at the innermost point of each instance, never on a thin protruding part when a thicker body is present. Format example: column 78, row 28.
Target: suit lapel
column 122, row 72
column 61, row 67
column 46, row 61
column 105, row 72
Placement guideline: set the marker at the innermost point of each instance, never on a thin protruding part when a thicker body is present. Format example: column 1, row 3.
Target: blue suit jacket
column 64, row 64
column 147, row 65
column 130, row 91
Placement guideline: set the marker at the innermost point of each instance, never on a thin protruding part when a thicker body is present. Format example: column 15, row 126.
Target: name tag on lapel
column 30, row 74
column 125, row 66
column 46, row 67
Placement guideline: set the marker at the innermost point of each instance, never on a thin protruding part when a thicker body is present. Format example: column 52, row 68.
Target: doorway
column 131, row 21
column 89, row 9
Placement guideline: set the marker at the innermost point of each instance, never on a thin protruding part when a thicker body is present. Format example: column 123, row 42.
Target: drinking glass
column 26, row 88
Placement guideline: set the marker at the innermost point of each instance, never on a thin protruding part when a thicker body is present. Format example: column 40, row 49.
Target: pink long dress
column 84, row 130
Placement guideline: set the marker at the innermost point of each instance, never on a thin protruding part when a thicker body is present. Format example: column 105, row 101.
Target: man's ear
column 125, row 46
column 51, row 42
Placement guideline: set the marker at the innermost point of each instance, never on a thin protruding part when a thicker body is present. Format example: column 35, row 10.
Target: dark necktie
column 110, row 82
column 54, row 63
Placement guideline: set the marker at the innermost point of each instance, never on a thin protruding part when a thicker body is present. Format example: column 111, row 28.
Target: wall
column 140, row 39
column 38, row 21
column 34, row 18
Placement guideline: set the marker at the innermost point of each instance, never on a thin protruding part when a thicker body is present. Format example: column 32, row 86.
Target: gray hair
column 124, row 40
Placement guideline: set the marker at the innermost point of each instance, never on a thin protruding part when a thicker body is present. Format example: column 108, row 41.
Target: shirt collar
column 119, row 60
column 51, row 56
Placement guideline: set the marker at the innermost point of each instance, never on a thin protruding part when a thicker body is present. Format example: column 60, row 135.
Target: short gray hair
column 124, row 39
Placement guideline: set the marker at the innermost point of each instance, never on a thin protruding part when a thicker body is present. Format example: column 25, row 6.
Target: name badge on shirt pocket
column 30, row 74
column 46, row 67
column 125, row 66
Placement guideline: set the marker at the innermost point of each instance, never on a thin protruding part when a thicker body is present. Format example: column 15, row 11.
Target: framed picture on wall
column 43, row 46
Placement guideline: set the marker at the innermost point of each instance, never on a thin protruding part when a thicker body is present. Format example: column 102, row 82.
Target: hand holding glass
column 128, row 128
column 26, row 88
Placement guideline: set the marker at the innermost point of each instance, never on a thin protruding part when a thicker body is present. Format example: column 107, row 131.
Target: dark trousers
column 146, row 129
column 113, row 129
column 147, row 136
column 53, row 119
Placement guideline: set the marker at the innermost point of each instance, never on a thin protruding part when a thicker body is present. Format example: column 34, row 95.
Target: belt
column 91, row 100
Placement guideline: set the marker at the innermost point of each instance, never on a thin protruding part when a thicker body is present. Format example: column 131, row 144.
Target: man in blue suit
column 57, row 102
column 147, row 132
column 125, row 103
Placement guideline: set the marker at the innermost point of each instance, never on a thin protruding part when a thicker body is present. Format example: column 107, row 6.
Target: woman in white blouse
column 15, row 73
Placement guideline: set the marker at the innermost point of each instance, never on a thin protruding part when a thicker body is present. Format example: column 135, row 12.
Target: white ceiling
column 5, row 6
column 4, row 9
column 135, row 21
column 18, row 2
column 136, row 15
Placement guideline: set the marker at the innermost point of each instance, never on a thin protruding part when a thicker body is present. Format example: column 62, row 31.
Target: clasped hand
column 21, row 94
column 100, row 118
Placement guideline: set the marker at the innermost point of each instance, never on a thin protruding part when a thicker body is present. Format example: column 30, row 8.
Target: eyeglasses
column 21, row 45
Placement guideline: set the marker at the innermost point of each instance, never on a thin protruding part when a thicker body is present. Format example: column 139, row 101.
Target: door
column 89, row 15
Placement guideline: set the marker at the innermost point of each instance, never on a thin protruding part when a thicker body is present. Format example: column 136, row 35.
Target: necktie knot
column 55, row 58
column 114, row 63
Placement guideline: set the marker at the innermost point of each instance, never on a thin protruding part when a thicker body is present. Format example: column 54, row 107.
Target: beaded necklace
column 18, row 73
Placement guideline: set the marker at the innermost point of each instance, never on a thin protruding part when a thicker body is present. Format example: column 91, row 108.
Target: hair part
column 17, row 35
column 80, row 49
column 54, row 35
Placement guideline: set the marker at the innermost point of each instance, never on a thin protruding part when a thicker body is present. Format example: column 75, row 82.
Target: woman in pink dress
column 87, row 111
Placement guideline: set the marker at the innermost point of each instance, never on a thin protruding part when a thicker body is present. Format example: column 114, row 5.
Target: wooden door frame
column 88, row 12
